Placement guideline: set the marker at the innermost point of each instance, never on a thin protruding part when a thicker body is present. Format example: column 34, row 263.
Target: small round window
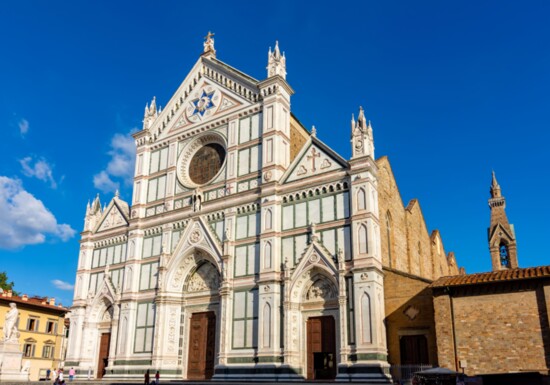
column 206, row 163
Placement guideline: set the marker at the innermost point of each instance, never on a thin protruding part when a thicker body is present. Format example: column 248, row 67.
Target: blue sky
column 453, row 89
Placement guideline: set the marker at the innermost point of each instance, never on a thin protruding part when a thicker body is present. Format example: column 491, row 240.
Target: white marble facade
column 268, row 243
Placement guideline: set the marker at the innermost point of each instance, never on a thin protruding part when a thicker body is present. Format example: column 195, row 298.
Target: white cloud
column 121, row 164
column 23, row 127
column 103, row 182
column 41, row 170
column 62, row 285
column 24, row 220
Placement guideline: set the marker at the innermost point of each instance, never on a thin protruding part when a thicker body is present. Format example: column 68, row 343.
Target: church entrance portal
column 321, row 348
column 103, row 359
column 202, row 336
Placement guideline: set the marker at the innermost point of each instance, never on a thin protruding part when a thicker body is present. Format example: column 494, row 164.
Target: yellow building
column 42, row 331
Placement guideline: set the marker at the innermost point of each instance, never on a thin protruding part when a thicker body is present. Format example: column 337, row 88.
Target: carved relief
column 113, row 219
column 321, row 290
column 204, row 278
column 172, row 330
column 177, row 277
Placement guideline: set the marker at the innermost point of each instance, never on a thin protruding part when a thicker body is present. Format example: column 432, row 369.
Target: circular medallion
column 195, row 236
column 203, row 103
column 202, row 160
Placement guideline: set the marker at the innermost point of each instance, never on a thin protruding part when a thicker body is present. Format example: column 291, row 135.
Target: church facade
column 250, row 248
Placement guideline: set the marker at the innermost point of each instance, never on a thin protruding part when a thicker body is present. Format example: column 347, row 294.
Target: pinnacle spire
column 361, row 135
column 276, row 63
column 495, row 187
column 501, row 234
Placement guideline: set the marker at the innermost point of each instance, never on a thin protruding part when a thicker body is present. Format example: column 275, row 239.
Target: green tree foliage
column 4, row 284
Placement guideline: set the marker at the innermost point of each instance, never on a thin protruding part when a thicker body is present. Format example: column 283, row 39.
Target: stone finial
column 362, row 140
column 151, row 113
column 495, row 187
column 313, row 131
column 276, row 62
column 209, row 45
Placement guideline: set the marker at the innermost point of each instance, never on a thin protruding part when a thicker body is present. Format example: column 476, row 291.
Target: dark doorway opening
column 321, row 348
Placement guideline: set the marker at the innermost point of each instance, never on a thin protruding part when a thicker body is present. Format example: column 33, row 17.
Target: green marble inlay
column 368, row 357
column 134, row 362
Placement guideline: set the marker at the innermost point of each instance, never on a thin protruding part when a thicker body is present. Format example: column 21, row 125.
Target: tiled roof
column 494, row 276
column 33, row 301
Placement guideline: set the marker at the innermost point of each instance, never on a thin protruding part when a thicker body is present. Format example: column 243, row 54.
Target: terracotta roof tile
column 33, row 301
column 493, row 276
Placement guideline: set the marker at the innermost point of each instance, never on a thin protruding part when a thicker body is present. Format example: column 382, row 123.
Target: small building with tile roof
column 41, row 324
column 495, row 323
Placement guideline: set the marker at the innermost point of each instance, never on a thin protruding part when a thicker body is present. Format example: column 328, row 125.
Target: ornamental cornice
column 316, row 191
column 111, row 241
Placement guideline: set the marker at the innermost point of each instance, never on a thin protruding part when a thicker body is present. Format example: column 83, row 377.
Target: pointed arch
column 504, row 254
column 363, row 239
column 268, row 223
column 366, row 324
column 389, row 236
column 204, row 277
column 266, row 333
column 268, row 252
column 361, row 199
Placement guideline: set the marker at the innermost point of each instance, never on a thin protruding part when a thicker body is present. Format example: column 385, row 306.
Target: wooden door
column 202, row 340
column 103, row 359
column 414, row 350
column 321, row 348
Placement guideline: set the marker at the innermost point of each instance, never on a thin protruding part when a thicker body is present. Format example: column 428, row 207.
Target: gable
column 210, row 90
column 112, row 217
column 314, row 159
column 207, row 101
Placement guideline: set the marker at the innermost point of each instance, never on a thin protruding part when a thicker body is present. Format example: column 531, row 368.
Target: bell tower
column 501, row 234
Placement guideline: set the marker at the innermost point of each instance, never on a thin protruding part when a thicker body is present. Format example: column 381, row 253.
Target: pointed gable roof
column 314, row 158
column 215, row 85
column 117, row 214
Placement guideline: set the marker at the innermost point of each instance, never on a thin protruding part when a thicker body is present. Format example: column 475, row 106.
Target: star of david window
column 203, row 103
column 206, row 163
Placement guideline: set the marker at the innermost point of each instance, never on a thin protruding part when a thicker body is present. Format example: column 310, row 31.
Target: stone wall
column 409, row 311
column 406, row 244
column 499, row 328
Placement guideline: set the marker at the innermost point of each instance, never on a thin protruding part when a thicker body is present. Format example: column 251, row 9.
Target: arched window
column 268, row 220
column 267, row 255
column 361, row 200
column 389, row 236
column 363, row 246
column 366, row 331
column 504, row 255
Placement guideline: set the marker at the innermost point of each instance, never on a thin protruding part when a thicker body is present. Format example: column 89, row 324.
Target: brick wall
column 498, row 328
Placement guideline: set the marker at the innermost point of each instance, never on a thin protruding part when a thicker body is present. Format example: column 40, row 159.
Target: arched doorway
column 320, row 307
column 201, row 303
column 106, row 314
column 313, row 322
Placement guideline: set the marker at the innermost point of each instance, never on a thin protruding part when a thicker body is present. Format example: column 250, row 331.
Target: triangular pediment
column 500, row 232
column 113, row 216
column 198, row 234
column 315, row 158
column 315, row 255
column 211, row 90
